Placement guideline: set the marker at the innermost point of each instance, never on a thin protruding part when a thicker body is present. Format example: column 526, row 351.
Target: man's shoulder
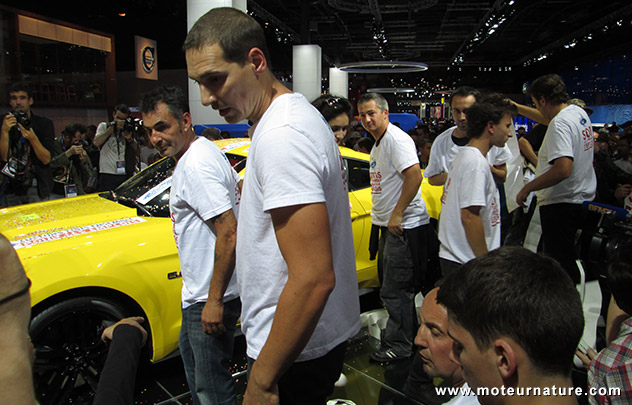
column 445, row 137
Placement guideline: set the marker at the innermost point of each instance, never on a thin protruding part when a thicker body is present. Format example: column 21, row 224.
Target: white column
column 195, row 10
column 307, row 70
column 338, row 82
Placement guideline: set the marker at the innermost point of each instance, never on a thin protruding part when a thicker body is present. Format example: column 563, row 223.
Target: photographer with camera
column 26, row 141
column 119, row 149
column 72, row 170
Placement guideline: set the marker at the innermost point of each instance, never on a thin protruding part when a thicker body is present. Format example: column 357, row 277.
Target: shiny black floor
column 367, row 382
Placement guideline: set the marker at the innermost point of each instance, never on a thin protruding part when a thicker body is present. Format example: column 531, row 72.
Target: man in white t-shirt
column 469, row 225
column 295, row 256
column 565, row 177
column 448, row 144
column 203, row 202
column 112, row 140
column 400, row 213
column 435, row 348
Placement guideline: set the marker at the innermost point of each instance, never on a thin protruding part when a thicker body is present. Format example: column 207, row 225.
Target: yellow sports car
column 95, row 259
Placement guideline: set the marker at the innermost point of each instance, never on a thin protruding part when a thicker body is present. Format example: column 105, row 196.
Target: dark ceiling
column 455, row 38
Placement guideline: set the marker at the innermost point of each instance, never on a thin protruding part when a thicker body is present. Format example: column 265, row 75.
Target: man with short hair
column 436, row 347
column 25, row 154
column 113, row 139
column 399, row 212
column 204, row 202
column 469, row 225
column 565, row 177
column 448, row 144
column 295, row 257
column 516, row 319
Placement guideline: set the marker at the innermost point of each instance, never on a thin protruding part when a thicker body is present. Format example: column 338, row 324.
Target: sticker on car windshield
column 80, row 230
column 148, row 196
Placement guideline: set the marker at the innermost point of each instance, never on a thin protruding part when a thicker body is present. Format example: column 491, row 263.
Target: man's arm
column 213, row 312
column 303, row 235
column 499, row 172
column 527, row 151
column 410, row 188
column 8, row 122
column 531, row 113
column 562, row 168
column 438, row 179
column 474, row 231
column 100, row 138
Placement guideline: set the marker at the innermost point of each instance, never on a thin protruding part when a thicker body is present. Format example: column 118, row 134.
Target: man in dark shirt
column 26, row 153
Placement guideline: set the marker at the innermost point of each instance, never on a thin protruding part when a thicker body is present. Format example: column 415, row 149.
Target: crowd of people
column 277, row 248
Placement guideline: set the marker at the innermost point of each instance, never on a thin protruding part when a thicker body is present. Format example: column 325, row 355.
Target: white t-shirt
column 444, row 150
column 203, row 186
column 470, row 183
column 293, row 159
column 112, row 153
column 462, row 399
column 390, row 156
column 569, row 134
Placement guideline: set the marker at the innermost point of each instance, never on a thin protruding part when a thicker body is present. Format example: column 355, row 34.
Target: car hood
column 34, row 229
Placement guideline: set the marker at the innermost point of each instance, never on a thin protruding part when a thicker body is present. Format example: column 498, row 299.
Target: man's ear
column 507, row 357
column 186, row 121
column 490, row 127
column 258, row 60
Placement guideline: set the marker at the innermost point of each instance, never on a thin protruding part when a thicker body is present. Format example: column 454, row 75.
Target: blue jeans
column 207, row 358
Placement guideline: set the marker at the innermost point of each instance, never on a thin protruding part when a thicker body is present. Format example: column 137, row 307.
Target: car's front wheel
column 69, row 353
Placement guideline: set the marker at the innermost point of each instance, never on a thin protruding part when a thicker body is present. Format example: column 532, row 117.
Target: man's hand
column 119, row 124
column 107, row 334
column 212, row 318
column 9, row 122
column 587, row 357
column 74, row 150
column 521, row 197
column 28, row 134
column 395, row 224
column 256, row 395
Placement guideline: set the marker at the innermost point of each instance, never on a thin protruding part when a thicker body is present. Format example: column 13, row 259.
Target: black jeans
column 560, row 223
column 310, row 382
column 404, row 262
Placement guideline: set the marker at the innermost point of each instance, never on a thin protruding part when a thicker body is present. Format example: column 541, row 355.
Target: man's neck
column 459, row 133
column 552, row 390
column 190, row 137
column 481, row 143
column 272, row 89
column 555, row 109
column 377, row 135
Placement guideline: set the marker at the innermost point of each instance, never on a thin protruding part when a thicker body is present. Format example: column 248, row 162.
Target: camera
column 614, row 228
column 132, row 125
column 22, row 118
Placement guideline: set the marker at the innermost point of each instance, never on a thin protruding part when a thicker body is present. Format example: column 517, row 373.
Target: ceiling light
column 384, row 67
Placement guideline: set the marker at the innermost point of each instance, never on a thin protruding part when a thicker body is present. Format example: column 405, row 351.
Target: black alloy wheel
column 69, row 352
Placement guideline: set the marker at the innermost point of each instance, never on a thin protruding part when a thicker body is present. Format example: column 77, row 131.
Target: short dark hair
column 212, row 133
column 235, row 31
column 172, row 96
column 620, row 277
column 367, row 142
column 21, row 86
column 465, row 91
column 122, row 108
column 72, row 128
column 516, row 293
column 551, row 87
column 380, row 101
column 492, row 107
column 332, row 106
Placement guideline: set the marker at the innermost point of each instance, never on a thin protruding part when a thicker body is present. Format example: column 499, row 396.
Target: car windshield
column 148, row 190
